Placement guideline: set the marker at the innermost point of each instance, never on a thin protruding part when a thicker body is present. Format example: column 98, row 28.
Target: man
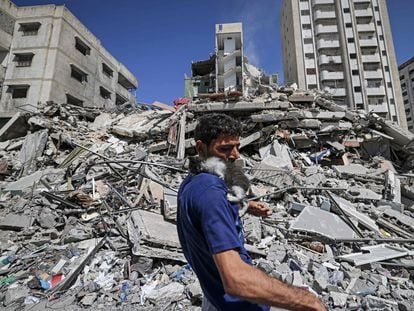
column 211, row 233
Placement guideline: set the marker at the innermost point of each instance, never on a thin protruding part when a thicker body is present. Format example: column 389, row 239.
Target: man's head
column 218, row 135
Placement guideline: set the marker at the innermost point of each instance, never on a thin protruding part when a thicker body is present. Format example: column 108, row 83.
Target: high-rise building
column 407, row 87
column 47, row 54
column 344, row 47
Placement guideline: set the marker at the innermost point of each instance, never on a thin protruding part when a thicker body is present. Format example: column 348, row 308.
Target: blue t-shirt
column 208, row 224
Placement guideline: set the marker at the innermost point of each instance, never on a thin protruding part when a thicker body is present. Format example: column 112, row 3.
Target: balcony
column 373, row 74
column 327, row 44
column 320, row 29
column 331, row 75
column 376, row 91
column 378, row 108
column 366, row 27
column 335, row 91
column 363, row 13
column 225, row 56
column 322, row 2
column 324, row 15
column 375, row 58
column 326, row 60
column 368, row 42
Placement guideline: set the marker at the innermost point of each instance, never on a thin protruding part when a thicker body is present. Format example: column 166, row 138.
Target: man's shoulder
column 206, row 180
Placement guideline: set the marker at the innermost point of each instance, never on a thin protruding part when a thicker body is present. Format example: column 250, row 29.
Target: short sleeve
column 218, row 220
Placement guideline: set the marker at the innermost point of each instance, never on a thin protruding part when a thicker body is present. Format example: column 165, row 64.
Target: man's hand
column 259, row 209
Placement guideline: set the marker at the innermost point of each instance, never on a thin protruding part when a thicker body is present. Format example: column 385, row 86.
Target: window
column 107, row 71
column 402, row 77
column 307, row 26
column 104, row 93
column 78, row 74
column 304, row 12
column 82, row 46
column 384, row 53
column 72, row 100
column 357, row 89
column 351, row 40
column 29, row 29
column 387, row 68
column 355, row 72
column 310, row 55
column 23, row 59
column 404, row 93
column 312, row 86
column 346, row 10
column 348, row 25
column 379, row 23
column 389, row 84
column 394, row 118
column 307, row 40
column 381, row 37
column 376, row 8
column 310, row 71
column 353, row 55
column 18, row 91
column 119, row 99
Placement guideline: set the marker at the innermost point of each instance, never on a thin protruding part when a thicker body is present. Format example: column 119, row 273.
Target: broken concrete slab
column 16, row 127
column 239, row 106
column 315, row 220
column 16, row 222
column 26, row 182
column 348, row 208
column 375, row 253
column 351, row 169
column 33, row 146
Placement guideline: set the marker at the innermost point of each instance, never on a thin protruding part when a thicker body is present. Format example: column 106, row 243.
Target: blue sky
column 158, row 39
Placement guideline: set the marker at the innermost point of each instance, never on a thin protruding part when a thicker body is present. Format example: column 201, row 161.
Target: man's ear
column 200, row 147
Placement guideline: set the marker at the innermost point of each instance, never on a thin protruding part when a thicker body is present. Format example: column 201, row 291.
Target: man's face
column 225, row 147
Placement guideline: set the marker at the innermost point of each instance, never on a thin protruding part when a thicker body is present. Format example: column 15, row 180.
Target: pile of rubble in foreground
column 88, row 204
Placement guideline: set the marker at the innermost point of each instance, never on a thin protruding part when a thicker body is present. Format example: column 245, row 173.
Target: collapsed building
column 227, row 70
column 88, row 203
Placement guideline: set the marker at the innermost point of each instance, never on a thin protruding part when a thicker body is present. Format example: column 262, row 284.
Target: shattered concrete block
column 170, row 292
column 338, row 299
column 375, row 303
column 253, row 229
column 351, row 169
column 15, row 294
column 16, row 222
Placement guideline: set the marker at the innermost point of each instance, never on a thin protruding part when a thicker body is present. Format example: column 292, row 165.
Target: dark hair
column 212, row 125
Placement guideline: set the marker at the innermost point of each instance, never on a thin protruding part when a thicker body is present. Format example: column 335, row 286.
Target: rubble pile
column 88, row 203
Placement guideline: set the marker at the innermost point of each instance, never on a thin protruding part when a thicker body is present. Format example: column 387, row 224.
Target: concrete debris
column 88, row 202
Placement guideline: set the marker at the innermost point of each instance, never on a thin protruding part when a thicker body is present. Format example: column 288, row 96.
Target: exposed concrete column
column 345, row 55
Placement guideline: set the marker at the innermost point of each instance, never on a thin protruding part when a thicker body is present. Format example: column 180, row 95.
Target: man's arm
column 245, row 281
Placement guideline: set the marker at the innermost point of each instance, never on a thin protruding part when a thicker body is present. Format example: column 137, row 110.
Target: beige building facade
column 407, row 87
column 47, row 54
column 344, row 47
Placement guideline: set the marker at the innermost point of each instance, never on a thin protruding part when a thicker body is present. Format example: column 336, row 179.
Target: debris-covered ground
column 88, row 203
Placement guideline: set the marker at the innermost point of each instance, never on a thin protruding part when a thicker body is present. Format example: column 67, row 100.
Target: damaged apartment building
column 345, row 48
column 227, row 70
column 47, row 54
column 407, row 87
